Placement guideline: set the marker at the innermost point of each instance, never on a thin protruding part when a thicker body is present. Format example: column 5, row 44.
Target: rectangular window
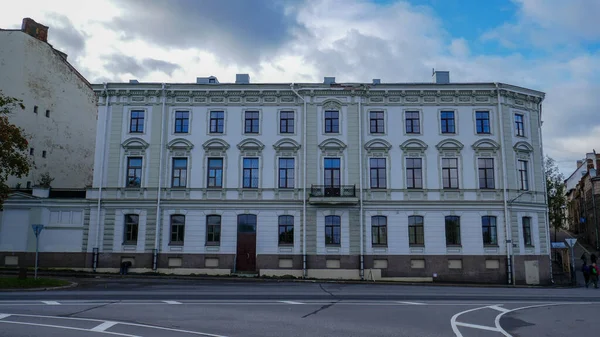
column 35, row 109
column 447, row 119
column 286, row 172
column 519, row 125
column 379, row 230
column 48, row 113
column 378, row 173
column 213, row 230
column 414, row 173
column 376, row 122
column 332, row 178
column 286, row 122
column 43, row 154
column 215, row 173
column 413, row 124
column 177, row 230
column 286, row 230
column 217, row 121
column 332, row 121
column 179, row 174
column 452, row 230
column 134, row 171
column 136, row 123
column 251, row 122
column 527, row 231
column 450, row 173
column 131, row 229
column 250, row 173
column 182, row 121
column 482, row 121
column 31, row 151
column 486, row 173
column 416, row 230
column 489, row 230
column 523, row 176
column 333, row 228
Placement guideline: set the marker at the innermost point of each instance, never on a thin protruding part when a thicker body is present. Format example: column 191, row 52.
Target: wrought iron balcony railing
column 341, row 191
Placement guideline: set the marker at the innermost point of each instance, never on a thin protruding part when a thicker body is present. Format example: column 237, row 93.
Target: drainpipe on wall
column 96, row 250
column 360, row 188
column 546, row 213
column 304, row 270
column 507, row 227
column 160, row 176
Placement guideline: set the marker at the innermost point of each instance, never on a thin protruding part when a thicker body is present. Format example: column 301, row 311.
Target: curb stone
column 70, row 285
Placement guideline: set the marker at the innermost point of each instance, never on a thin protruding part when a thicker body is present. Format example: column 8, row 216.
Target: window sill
column 483, row 133
column 208, row 244
column 178, row 188
column 454, row 246
column 175, row 244
column 132, row 188
column 416, row 245
column 286, row 245
column 490, row 246
column 376, row 246
column 214, row 188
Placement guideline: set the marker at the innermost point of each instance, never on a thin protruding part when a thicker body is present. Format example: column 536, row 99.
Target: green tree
column 13, row 146
column 555, row 188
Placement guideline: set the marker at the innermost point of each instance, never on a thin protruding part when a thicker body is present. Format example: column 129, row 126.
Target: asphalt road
column 143, row 307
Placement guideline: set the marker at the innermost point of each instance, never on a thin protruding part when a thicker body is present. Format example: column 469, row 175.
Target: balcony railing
column 341, row 191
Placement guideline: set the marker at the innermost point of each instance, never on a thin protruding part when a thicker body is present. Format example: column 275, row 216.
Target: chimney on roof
column 441, row 77
column 37, row 30
column 242, row 79
column 579, row 162
column 328, row 80
column 376, row 81
column 133, row 82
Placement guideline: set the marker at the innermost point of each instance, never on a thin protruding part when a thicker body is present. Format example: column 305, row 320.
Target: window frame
column 331, row 223
column 138, row 129
column 212, row 232
column 412, row 122
column 179, row 233
column 328, row 122
column 127, row 239
column 493, row 235
column 454, row 233
column 179, row 170
column 519, row 125
column 286, row 222
column 129, row 167
column 413, row 237
column 378, row 174
column 523, row 171
column 254, row 174
column 287, row 122
column 448, row 170
column 486, row 171
column 182, row 119
column 527, row 234
column 286, row 170
column 489, row 122
column 254, row 127
column 379, row 120
column 209, row 168
column 411, row 182
column 379, row 231
column 447, row 123
column 215, row 130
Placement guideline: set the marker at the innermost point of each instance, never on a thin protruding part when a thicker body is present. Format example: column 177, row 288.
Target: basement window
column 35, row 109
column 48, row 113
column 43, row 154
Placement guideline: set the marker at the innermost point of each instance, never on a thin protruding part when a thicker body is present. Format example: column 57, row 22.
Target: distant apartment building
column 582, row 189
column 415, row 181
column 60, row 123
column 60, row 107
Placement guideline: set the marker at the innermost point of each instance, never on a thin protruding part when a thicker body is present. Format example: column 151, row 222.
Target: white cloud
column 354, row 40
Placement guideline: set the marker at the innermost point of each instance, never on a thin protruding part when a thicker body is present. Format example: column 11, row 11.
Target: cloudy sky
column 547, row 45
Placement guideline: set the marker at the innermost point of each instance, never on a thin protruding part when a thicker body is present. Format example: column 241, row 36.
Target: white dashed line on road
column 411, row 303
column 51, row 302
column 3, row 316
column 477, row 326
column 104, row 326
column 172, row 302
column 291, row 302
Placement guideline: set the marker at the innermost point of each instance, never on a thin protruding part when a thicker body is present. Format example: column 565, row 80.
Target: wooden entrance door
column 246, row 243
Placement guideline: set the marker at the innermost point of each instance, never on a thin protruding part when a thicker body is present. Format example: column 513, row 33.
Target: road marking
column 291, row 302
column 412, row 303
column 454, row 323
column 3, row 316
column 104, row 326
column 477, row 326
column 51, row 302
column 172, row 302
column 499, row 308
column 68, row 328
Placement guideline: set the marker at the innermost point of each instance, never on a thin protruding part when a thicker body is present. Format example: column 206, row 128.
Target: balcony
column 331, row 195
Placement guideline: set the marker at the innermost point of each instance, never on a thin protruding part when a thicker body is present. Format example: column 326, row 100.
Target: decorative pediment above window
column 450, row 145
column 332, row 104
column 134, row 144
column 251, row 144
column 414, row 146
column 286, row 145
column 523, row 147
column 378, row 145
column 332, row 145
column 485, row 145
column 180, row 144
column 215, row 144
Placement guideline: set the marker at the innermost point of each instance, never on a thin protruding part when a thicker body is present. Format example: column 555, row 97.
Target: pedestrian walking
column 594, row 275
column 585, row 269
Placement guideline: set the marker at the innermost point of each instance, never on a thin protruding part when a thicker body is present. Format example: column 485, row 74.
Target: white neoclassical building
column 374, row 180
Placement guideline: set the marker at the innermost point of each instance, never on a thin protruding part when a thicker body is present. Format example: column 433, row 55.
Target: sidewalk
column 579, row 249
